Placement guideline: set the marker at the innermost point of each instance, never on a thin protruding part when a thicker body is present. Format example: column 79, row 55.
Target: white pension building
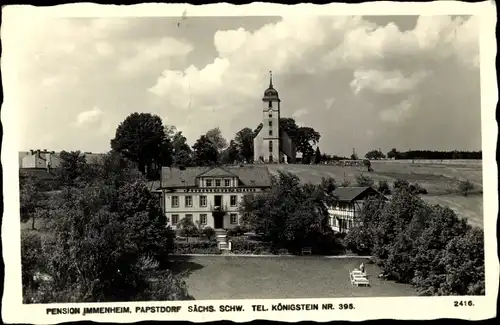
column 210, row 196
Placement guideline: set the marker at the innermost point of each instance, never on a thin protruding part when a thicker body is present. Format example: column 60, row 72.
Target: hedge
column 201, row 247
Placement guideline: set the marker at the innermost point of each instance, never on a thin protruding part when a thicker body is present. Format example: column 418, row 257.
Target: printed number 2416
column 463, row 303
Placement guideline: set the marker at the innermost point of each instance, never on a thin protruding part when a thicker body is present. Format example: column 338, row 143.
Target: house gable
column 217, row 172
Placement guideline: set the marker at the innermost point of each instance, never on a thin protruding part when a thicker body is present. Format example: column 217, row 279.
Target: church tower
column 269, row 150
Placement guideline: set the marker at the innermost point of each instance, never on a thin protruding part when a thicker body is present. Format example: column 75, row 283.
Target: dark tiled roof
column 153, row 186
column 348, row 194
column 249, row 175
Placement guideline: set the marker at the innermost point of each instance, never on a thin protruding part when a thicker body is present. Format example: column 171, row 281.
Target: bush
column 31, row 257
column 363, row 180
column 345, row 183
column 208, row 233
column 465, row 187
column 236, row 231
column 417, row 189
column 383, row 187
column 414, row 188
column 242, row 245
column 201, row 247
column 188, row 228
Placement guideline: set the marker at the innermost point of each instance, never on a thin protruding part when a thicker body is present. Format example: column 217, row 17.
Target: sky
column 409, row 82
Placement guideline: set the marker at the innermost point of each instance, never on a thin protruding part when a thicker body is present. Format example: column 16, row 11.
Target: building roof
column 249, row 175
column 217, row 172
column 352, row 193
column 153, row 185
column 271, row 94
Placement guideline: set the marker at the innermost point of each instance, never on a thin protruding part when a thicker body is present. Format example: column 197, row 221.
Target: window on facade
column 175, row 219
column 233, row 218
column 203, row 200
column 175, row 201
column 209, row 183
column 203, row 219
column 270, row 146
column 270, row 104
column 189, row 217
column 270, row 123
column 234, row 200
column 270, row 132
column 227, row 182
column 217, row 182
column 189, row 201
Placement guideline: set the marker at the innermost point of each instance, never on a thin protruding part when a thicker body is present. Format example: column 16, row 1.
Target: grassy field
column 284, row 277
column 440, row 179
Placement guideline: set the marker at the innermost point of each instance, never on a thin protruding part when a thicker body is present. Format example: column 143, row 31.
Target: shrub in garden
column 242, row 245
column 201, row 247
column 208, row 233
column 236, row 231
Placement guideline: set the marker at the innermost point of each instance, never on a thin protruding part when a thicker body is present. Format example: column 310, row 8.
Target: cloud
column 400, row 111
column 386, row 81
column 329, row 102
column 385, row 63
column 299, row 113
column 89, row 117
column 349, row 73
column 154, row 50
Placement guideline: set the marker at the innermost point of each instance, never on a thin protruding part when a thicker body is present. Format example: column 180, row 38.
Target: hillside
column 441, row 180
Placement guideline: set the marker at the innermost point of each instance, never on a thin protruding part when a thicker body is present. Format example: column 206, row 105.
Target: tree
column 31, row 199
column 101, row 234
column 72, row 168
column 215, row 136
column 204, row 152
column 317, row 156
column 188, row 228
column 244, row 142
column 374, row 155
column 141, row 138
column 368, row 165
column 289, row 214
column 345, row 183
column 393, row 154
column 354, row 156
column 383, row 187
column 304, row 137
column 230, row 154
column 182, row 153
column 465, row 187
column 363, row 180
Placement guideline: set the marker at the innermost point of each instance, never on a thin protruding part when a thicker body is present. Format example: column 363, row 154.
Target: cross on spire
column 270, row 79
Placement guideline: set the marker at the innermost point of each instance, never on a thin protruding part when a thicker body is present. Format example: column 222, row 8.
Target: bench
column 307, row 250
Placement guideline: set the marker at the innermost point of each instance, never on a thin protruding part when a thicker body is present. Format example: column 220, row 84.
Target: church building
column 272, row 144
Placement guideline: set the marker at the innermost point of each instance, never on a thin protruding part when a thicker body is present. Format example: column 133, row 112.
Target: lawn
column 440, row 179
column 230, row 277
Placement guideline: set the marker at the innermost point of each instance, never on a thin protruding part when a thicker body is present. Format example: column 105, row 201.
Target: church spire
column 270, row 79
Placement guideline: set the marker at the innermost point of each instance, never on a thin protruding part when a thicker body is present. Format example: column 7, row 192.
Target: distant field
column 439, row 178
